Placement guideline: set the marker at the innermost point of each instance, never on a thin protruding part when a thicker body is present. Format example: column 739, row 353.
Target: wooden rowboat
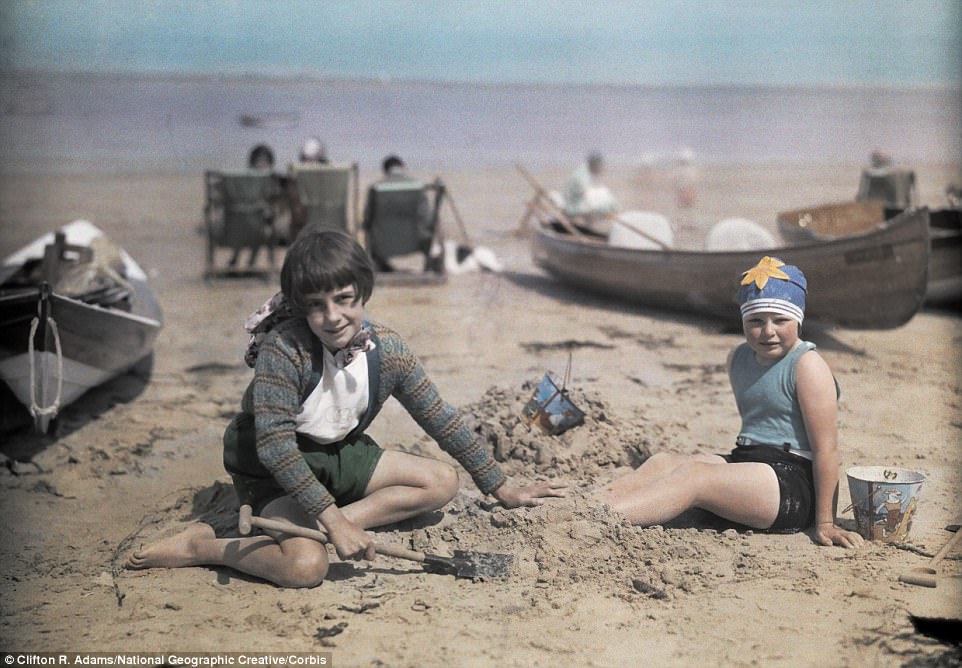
column 55, row 347
column 833, row 221
column 873, row 280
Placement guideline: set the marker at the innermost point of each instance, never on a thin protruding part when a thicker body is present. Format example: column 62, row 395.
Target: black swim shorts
column 796, row 484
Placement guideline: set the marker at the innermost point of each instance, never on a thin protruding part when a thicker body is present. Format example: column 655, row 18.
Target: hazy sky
column 780, row 42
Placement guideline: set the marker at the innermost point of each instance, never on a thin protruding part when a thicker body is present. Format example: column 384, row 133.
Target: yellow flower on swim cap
column 767, row 267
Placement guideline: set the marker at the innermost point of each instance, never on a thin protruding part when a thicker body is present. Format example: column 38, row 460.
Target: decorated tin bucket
column 551, row 409
column 884, row 499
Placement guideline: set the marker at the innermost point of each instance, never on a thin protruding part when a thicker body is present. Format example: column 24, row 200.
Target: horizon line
column 267, row 77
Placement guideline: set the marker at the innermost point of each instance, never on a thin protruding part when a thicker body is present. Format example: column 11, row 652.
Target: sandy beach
column 132, row 462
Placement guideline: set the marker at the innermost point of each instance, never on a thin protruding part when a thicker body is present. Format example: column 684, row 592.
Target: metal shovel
column 925, row 576
column 463, row 564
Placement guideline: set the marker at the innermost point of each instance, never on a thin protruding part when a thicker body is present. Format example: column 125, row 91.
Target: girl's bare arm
column 817, row 398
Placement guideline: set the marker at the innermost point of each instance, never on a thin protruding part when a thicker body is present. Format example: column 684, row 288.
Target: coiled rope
column 35, row 409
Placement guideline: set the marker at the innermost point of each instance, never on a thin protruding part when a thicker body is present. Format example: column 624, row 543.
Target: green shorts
column 344, row 468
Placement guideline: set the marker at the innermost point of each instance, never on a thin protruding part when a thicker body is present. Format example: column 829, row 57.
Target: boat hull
column 829, row 222
column 76, row 345
column 872, row 280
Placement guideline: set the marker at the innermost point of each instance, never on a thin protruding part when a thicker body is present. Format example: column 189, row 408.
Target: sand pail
column 551, row 409
column 884, row 499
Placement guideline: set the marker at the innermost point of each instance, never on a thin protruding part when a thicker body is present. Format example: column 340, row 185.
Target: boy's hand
column 530, row 495
column 349, row 540
column 828, row 534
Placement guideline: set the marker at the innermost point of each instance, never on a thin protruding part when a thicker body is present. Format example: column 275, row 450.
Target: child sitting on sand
column 298, row 451
column 783, row 475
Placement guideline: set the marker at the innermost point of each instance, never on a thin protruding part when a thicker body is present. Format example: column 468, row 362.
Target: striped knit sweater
column 286, row 361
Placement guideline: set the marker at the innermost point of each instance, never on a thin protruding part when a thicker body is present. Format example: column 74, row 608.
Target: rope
column 567, row 378
column 52, row 409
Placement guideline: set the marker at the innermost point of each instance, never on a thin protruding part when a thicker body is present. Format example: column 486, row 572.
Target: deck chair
column 238, row 214
column 323, row 197
column 402, row 218
column 895, row 187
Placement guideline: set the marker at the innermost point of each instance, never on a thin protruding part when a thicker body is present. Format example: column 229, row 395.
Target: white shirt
column 338, row 403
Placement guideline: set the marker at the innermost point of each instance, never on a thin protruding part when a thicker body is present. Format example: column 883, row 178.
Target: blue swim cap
column 771, row 285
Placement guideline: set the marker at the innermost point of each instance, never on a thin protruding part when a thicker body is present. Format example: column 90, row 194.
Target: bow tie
column 361, row 343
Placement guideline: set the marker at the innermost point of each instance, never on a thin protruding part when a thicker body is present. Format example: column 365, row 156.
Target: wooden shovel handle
column 293, row 529
column 927, row 576
column 389, row 550
column 940, row 555
column 289, row 527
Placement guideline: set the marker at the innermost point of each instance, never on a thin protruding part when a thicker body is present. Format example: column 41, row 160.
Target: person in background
column 684, row 178
column 261, row 157
column 953, row 195
column 394, row 170
column 313, row 151
column 883, row 181
column 587, row 201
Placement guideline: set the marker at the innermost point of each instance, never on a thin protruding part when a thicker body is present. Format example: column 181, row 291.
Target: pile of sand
column 578, row 540
column 604, row 442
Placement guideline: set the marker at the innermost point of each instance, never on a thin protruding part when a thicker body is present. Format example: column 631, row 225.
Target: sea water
column 100, row 123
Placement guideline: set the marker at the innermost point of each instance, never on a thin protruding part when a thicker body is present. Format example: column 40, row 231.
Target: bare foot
column 178, row 550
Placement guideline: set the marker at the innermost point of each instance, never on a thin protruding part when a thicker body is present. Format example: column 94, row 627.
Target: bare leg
column 744, row 493
column 253, row 258
column 657, row 466
column 288, row 561
column 403, row 486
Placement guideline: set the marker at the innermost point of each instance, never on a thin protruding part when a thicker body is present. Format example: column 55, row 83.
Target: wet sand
column 133, row 462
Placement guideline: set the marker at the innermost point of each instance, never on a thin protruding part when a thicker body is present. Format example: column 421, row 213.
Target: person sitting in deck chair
column 261, row 158
column 883, row 181
column 313, row 152
column 399, row 218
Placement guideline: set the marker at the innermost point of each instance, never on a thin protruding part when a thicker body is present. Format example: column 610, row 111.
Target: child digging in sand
column 783, row 475
column 298, row 451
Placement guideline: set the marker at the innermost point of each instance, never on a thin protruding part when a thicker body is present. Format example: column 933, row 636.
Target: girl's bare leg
column 403, row 486
column 289, row 561
column 657, row 466
column 746, row 493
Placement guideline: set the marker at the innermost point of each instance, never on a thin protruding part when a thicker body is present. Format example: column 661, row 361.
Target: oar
column 563, row 218
column 542, row 197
